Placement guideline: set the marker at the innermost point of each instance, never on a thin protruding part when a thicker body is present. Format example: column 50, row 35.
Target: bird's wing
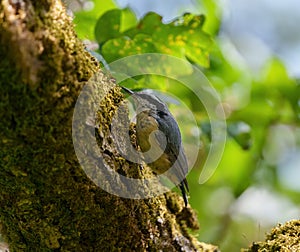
column 173, row 148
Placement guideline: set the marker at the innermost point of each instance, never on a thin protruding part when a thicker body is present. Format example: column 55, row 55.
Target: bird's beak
column 127, row 90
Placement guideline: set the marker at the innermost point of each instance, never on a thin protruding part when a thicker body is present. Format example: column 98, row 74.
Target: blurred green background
column 249, row 51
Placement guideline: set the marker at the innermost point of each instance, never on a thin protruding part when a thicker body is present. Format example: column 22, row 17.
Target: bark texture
column 283, row 238
column 47, row 203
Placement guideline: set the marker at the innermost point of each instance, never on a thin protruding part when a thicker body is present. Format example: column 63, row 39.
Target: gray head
column 147, row 100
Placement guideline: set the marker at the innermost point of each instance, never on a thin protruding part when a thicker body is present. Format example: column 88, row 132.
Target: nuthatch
column 157, row 129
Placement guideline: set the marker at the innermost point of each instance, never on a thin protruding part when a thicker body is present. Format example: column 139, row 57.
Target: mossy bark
column 283, row 238
column 47, row 203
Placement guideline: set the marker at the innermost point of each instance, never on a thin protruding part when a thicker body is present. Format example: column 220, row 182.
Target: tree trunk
column 47, row 202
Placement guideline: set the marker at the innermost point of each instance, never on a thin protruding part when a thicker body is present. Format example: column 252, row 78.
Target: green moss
column 46, row 200
column 283, row 238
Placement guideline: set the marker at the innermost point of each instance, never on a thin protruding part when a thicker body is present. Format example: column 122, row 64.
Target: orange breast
column 145, row 126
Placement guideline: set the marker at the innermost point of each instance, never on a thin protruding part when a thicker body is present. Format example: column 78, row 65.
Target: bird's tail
column 184, row 189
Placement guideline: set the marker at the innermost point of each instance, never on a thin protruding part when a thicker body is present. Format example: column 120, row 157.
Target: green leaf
column 112, row 23
column 147, row 25
column 276, row 73
column 108, row 26
column 85, row 20
column 183, row 38
column 128, row 19
column 125, row 46
column 213, row 13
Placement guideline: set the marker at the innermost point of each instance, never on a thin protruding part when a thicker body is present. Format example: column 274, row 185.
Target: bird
column 159, row 138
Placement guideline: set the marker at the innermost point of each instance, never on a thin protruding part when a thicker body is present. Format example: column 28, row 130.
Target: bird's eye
column 162, row 113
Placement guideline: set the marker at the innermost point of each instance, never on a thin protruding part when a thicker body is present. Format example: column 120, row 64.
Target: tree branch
column 46, row 200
